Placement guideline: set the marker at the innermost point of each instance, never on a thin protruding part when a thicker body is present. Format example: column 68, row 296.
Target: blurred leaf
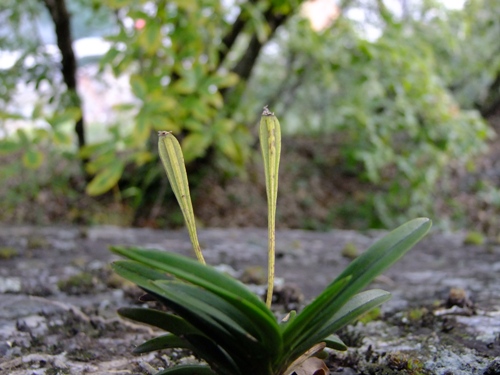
column 157, row 103
column 195, row 145
column 138, row 85
column 37, row 111
column 23, row 137
column 61, row 138
column 151, row 36
column 184, row 86
column 187, row 5
column 226, row 80
column 142, row 157
column 8, row 146
column 32, row 159
column 118, row 4
column 228, row 146
column 105, row 179
column 71, row 114
column 142, row 129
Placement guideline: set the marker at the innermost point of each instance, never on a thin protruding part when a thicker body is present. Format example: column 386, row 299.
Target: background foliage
column 404, row 92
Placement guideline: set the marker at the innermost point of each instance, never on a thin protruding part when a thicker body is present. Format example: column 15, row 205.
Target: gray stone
column 84, row 333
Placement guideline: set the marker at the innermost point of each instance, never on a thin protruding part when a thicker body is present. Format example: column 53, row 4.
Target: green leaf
column 118, row 4
column 190, row 303
column 299, row 327
column 184, row 86
column 69, row 115
column 61, row 138
column 334, row 342
column 8, row 146
column 151, row 36
column 203, row 346
column 138, row 85
column 227, row 144
column 238, row 324
column 253, row 320
column 187, row 370
column 103, row 161
column 37, row 111
column 384, row 253
column 195, row 145
column 192, row 271
column 165, row 321
column 192, row 313
column 142, row 128
column 245, row 317
column 354, row 308
column 163, row 342
column 23, row 137
column 287, row 319
column 32, row 159
column 226, row 80
column 160, row 104
column 358, row 274
column 106, row 179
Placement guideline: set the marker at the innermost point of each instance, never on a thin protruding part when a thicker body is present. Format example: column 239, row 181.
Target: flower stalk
column 173, row 161
column 270, row 141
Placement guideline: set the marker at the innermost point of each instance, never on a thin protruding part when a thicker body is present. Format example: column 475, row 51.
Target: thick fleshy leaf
column 354, row 308
column 187, row 370
column 299, row 326
column 202, row 346
column 359, row 274
column 385, row 252
column 198, row 314
column 205, row 347
column 334, row 342
column 194, row 272
column 244, row 317
column 228, row 320
column 218, row 359
column 287, row 319
column 163, row 342
column 378, row 258
column 244, row 350
column 156, row 318
column 129, row 269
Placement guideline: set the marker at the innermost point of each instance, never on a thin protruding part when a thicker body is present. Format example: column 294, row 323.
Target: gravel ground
column 59, row 299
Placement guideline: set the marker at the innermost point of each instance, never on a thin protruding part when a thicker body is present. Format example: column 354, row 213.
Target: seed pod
column 173, row 161
column 270, row 141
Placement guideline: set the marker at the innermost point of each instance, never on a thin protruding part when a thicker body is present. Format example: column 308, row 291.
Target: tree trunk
column 62, row 22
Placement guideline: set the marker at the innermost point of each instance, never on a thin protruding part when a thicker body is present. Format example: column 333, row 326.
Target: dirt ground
column 59, row 299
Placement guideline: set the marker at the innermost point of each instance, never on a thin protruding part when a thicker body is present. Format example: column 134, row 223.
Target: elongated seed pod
column 270, row 141
column 173, row 161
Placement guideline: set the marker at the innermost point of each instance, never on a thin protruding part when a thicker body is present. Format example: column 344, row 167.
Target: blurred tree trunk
column 247, row 61
column 62, row 22
column 491, row 104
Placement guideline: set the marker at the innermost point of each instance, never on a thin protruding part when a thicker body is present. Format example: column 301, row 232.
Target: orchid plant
column 226, row 325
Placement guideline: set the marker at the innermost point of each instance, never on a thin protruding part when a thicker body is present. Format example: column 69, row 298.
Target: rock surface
column 59, row 299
